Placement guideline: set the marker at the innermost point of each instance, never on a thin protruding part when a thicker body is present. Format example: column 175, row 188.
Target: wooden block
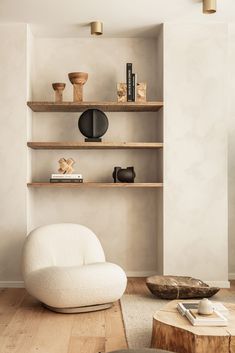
column 121, row 92
column 141, row 92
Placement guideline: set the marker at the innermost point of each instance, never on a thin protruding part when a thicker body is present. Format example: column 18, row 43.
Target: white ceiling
column 122, row 18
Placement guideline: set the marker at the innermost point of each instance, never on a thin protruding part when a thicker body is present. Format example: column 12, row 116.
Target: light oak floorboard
column 27, row 327
column 10, row 300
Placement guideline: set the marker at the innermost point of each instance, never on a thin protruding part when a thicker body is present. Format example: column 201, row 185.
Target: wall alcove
column 127, row 218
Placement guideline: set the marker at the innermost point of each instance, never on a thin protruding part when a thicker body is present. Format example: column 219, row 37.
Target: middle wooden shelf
column 93, row 145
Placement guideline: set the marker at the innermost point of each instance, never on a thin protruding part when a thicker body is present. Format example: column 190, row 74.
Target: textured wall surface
column 195, row 163
column 231, row 151
column 13, row 150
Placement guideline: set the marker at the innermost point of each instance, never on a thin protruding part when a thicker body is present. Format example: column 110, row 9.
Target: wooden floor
column 26, row 327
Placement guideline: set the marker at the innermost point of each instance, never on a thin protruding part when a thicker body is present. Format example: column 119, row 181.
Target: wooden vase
column 58, row 88
column 78, row 79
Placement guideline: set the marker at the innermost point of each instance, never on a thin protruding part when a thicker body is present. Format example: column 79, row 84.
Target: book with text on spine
column 129, row 82
column 134, row 88
column 66, row 180
column 66, row 176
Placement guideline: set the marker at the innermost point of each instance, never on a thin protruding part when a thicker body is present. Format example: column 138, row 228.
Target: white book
column 184, row 306
column 66, row 176
column 215, row 319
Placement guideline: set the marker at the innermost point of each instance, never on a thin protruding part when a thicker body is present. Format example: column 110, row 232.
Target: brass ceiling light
column 97, row 28
column 209, row 6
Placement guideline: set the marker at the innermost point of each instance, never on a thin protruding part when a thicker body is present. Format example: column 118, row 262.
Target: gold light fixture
column 209, row 6
column 97, row 28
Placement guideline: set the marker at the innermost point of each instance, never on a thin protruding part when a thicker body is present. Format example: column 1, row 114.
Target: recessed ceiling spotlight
column 209, row 6
column 97, row 28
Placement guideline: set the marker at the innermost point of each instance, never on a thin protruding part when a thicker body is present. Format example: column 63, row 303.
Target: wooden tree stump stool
column 173, row 332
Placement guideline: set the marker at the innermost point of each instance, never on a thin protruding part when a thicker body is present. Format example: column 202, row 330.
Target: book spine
column 66, row 180
column 66, row 176
column 136, row 87
column 133, row 87
column 129, row 81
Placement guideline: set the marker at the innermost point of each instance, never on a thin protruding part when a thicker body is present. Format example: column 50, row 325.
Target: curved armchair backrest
column 63, row 244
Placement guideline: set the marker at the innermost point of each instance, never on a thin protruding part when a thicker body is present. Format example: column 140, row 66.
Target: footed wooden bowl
column 58, row 86
column 78, row 78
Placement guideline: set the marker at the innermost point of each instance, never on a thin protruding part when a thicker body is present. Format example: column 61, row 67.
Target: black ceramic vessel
column 122, row 175
column 93, row 123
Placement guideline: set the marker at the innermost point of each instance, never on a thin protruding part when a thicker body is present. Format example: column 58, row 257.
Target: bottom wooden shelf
column 95, row 185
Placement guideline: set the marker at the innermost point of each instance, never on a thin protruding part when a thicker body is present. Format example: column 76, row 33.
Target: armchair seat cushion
column 74, row 286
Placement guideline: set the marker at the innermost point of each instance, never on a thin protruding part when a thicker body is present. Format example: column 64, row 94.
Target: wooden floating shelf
column 96, row 185
column 105, row 106
column 93, row 145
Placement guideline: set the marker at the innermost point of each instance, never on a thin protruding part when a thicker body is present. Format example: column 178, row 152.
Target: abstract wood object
column 141, row 92
column 173, row 332
column 66, row 166
column 58, row 88
column 78, row 79
column 121, row 92
column 176, row 287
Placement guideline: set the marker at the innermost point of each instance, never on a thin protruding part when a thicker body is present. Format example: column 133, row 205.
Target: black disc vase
column 93, row 124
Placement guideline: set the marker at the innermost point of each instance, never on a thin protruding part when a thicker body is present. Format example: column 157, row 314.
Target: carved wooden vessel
column 179, row 287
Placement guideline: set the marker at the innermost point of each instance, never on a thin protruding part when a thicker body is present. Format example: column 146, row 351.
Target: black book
column 66, row 180
column 133, row 86
column 129, row 82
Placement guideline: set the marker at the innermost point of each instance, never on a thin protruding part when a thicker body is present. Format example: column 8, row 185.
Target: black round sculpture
column 93, row 124
column 122, row 175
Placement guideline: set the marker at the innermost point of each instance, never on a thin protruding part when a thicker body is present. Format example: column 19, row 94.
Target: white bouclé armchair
column 64, row 267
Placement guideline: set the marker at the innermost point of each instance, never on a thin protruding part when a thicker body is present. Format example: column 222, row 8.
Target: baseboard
column 140, row 273
column 220, row 284
column 11, row 284
column 231, row 276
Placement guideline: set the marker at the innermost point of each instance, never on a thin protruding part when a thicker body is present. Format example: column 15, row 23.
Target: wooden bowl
column 179, row 287
column 58, row 86
column 78, row 78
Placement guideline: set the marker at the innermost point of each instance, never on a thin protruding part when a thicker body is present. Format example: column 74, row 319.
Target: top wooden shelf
column 105, row 106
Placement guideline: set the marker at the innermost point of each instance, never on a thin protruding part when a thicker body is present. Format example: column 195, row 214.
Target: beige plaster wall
column 195, row 154
column 13, row 150
column 231, row 151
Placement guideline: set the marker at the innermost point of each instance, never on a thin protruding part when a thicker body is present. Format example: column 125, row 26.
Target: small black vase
column 124, row 175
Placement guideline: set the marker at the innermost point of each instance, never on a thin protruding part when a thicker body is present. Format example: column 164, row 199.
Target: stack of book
column 190, row 311
column 66, row 178
column 131, row 83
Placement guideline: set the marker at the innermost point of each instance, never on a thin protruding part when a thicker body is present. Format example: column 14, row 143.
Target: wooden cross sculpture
column 66, row 166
